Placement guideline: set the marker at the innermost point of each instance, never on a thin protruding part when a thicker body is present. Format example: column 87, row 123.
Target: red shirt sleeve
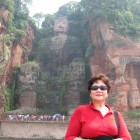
column 74, row 126
column 123, row 131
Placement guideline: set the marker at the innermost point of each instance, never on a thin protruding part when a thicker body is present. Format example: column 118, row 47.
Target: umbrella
column 57, row 115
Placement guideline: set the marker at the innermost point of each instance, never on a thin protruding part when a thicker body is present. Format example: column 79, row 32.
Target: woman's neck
column 101, row 107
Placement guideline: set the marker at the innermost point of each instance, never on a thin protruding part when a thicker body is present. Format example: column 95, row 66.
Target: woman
column 96, row 120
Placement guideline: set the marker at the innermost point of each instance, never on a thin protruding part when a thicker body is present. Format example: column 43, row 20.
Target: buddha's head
column 61, row 26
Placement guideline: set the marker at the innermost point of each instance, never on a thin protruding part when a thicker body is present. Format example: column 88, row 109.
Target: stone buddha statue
column 60, row 31
column 64, row 63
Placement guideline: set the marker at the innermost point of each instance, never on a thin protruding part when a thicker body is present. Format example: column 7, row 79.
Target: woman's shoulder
column 83, row 107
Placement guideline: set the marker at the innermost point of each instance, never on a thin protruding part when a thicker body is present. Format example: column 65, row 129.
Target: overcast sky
column 47, row 6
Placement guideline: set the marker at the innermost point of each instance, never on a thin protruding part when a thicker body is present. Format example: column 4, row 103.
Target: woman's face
column 98, row 91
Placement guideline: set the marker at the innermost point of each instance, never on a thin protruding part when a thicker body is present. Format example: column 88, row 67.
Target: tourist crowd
column 21, row 117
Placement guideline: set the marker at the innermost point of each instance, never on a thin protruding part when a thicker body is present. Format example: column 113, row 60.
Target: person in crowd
column 96, row 121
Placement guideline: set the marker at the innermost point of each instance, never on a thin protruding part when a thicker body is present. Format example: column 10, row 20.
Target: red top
column 88, row 122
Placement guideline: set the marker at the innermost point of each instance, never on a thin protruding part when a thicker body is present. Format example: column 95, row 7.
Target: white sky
column 47, row 6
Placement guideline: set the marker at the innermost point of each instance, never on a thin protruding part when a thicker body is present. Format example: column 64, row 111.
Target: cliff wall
column 11, row 54
column 119, row 58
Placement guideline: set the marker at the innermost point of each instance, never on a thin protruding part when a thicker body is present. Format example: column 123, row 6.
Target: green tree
column 48, row 26
column 123, row 15
column 19, row 18
column 67, row 9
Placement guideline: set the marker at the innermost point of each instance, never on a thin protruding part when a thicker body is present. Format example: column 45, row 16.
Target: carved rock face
column 28, row 77
column 28, row 99
column 60, row 30
column 66, row 65
column 119, row 58
column 58, row 42
column 61, row 26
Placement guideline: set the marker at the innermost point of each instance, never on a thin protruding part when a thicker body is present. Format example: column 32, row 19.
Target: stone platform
column 33, row 129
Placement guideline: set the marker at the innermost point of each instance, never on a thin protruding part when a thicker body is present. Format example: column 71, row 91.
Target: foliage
column 33, row 63
column 41, row 89
column 73, row 12
column 67, row 9
column 61, row 107
column 14, row 85
column 135, row 136
column 45, row 31
column 89, row 51
column 78, row 24
column 7, row 101
column 46, row 95
column 8, row 4
column 19, row 18
column 121, row 14
column 7, row 39
column 134, row 113
column 22, row 5
column 48, row 25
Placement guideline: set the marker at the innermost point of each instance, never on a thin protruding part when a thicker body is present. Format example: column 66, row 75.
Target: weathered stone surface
column 28, row 99
column 72, row 100
column 11, row 55
column 29, row 74
column 21, row 51
column 5, row 56
column 4, row 14
column 65, row 64
column 60, row 33
column 76, row 69
column 119, row 58
column 23, row 110
column 33, row 130
column 17, row 55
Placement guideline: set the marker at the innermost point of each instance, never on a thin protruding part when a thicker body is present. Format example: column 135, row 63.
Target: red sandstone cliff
column 11, row 55
column 119, row 58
